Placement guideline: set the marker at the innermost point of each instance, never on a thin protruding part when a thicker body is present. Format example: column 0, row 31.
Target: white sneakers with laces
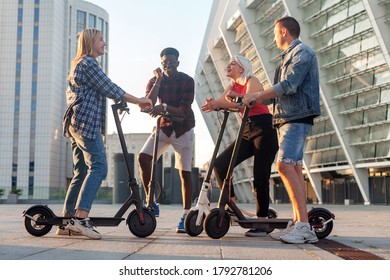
column 62, row 231
column 300, row 234
column 277, row 235
column 84, row 227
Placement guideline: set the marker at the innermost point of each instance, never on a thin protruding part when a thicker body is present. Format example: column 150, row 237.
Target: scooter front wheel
column 139, row 228
column 190, row 223
column 272, row 214
column 32, row 219
column 215, row 225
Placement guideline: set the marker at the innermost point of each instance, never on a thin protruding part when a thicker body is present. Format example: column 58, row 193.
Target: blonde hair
column 85, row 44
column 246, row 65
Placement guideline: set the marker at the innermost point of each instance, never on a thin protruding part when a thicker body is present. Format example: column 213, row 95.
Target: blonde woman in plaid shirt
column 84, row 124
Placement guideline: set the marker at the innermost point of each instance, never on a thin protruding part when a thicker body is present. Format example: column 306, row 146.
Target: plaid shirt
column 179, row 93
column 86, row 99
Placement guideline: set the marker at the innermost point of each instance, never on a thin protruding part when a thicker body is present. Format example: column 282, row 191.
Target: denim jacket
column 296, row 85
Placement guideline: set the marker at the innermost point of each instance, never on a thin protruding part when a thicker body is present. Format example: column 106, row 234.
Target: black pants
column 259, row 140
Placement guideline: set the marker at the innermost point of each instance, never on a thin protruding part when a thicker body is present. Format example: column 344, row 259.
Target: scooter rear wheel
column 319, row 220
column 214, row 226
column 190, row 223
column 37, row 214
column 138, row 228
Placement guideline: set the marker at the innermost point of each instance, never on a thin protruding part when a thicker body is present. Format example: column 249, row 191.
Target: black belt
column 257, row 117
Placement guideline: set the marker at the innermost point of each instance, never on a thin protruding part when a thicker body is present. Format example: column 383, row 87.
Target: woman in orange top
column 259, row 137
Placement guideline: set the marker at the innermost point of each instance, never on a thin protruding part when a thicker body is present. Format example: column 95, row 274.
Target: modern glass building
column 347, row 155
column 38, row 42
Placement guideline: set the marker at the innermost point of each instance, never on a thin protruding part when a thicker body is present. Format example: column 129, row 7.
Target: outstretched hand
column 144, row 103
column 210, row 105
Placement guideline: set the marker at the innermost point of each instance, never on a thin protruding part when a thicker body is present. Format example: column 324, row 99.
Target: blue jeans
column 292, row 138
column 89, row 170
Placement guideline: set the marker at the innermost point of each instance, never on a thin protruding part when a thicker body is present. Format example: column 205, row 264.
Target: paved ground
column 366, row 228
column 166, row 255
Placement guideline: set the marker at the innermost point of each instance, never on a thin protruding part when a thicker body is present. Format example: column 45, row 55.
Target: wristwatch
column 165, row 106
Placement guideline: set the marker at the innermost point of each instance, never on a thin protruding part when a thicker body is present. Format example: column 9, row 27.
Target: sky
column 138, row 31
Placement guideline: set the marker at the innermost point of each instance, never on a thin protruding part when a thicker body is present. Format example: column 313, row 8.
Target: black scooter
column 217, row 222
column 153, row 184
column 194, row 220
column 39, row 219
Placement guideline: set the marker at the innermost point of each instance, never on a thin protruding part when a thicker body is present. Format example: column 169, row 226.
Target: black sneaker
column 256, row 232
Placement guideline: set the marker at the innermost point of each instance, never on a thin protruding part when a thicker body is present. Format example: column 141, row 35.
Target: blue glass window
column 81, row 21
column 92, row 20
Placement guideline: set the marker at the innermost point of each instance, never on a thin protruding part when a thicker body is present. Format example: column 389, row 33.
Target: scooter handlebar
column 167, row 115
column 238, row 102
column 121, row 105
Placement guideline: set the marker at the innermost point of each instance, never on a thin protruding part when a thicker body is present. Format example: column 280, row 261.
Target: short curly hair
column 170, row 51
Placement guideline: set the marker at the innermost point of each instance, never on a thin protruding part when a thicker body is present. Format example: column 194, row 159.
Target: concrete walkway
column 363, row 227
column 166, row 255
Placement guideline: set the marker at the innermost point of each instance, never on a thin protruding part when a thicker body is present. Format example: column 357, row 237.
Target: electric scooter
column 153, row 184
column 193, row 223
column 39, row 219
column 217, row 222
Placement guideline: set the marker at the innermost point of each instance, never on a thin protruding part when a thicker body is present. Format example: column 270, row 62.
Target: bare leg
column 186, row 188
column 145, row 168
column 293, row 180
column 82, row 214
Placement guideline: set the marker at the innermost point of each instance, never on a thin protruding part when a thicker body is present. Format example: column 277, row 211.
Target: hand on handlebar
column 155, row 111
column 232, row 96
column 249, row 100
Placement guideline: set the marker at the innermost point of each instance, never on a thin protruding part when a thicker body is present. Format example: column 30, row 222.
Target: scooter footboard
column 263, row 224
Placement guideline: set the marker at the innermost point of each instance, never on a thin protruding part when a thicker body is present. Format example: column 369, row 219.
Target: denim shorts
column 292, row 139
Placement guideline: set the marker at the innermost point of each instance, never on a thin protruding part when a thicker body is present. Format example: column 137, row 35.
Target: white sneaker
column 277, row 235
column 84, row 227
column 62, row 231
column 302, row 233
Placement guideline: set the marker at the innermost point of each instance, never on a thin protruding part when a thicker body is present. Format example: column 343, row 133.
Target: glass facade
column 35, row 62
column 349, row 143
column 18, row 67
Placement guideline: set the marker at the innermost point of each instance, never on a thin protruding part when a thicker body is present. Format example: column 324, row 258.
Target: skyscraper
column 38, row 42
column 347, row 155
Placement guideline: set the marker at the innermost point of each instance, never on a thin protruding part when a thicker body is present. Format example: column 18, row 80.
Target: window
column 100, row 25
column 14, row 181
column 92, row 20
column 81, row 21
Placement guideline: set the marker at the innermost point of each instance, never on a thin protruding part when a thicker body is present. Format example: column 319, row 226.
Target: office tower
column 38, row 42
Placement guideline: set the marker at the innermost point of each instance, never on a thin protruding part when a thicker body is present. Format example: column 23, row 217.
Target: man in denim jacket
column 296, row 104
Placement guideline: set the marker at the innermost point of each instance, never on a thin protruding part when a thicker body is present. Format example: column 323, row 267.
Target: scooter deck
column 263, row 224
column 106, row 221
column 98, row 221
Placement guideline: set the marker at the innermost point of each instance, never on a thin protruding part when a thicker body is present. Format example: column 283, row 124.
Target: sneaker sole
column 256, row 235
column 68, row 233
column 82, row 231
column 299, row 241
